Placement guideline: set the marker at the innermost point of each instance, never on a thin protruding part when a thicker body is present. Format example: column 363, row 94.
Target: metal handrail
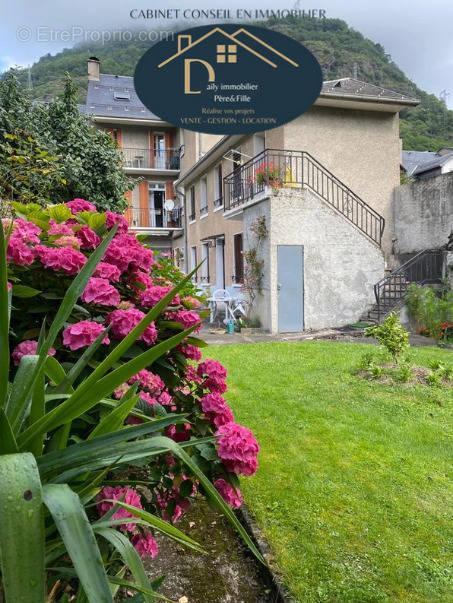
column 426, row 267
column 295, row 169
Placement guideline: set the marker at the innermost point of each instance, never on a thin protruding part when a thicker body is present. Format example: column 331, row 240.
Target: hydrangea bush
column 46, row 248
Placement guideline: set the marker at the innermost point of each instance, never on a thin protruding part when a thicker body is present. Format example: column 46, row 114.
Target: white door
column 159, row 151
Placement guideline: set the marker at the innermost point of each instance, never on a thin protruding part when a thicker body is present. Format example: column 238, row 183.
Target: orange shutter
column 169, row 190
column 128, row 212
column 119, row 138
column 168, row 148
column 143, row 196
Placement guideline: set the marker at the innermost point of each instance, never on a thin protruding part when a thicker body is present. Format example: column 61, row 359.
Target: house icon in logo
column 223, row 49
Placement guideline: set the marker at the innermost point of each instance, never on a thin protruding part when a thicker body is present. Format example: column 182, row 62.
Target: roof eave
column 383, row 101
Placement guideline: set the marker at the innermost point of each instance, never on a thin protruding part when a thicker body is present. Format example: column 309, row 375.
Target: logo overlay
column 228, row 80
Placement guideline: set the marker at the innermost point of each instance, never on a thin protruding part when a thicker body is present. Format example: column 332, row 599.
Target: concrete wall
column 423, row 214
column 340, row 264
column 361, row 148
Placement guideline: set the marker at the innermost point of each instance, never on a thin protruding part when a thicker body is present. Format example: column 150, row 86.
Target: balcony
column 146, row 160
column 154, row 221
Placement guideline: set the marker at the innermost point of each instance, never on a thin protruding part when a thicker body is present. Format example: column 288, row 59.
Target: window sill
column 192, row 221
column 218, row 208
column 202, row 217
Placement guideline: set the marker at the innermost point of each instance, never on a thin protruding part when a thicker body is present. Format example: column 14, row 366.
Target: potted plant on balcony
column 268, row 174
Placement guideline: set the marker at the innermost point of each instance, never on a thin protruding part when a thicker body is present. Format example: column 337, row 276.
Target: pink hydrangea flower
column 128, row 496
column 191, row 302
column 123, row 321
column 26, row 231
column 59, row 229
column 27, row 348
column 111, row 219
column 231, row 496
column 121, row 390
column 19, row 252
column 187, row 318
column 152, row 295
column 67, row 241
column 192, row 376
column 238, row 449
column 67, row 259
column 126, row 252
column 145, row 545
column 190, row 351
column 88, row 239
column 180, row 433
column 214, row 375
column 138, row 276
column 100, row 291
column 82, row 334
column 78, row 205
column 216, row 409
column 148, row 381
column 107, row 271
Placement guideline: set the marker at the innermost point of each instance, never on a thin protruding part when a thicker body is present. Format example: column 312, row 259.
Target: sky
column 416, row 33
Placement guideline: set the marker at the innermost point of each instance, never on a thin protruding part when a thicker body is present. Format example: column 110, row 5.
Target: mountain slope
column 341, row 51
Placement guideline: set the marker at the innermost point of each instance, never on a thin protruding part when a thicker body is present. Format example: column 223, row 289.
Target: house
column 426, row 164
column 151, row 149
column 323, row 184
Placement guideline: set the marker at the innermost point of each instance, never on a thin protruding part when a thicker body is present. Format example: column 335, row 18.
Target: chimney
column 183, row 41
column 94, row 68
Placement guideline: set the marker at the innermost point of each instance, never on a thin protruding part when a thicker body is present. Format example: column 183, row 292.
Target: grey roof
column 102, row 102
column 417, row 162
column 349, row 86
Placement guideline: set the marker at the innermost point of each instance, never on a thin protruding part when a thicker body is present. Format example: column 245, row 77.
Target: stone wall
column 423, row 214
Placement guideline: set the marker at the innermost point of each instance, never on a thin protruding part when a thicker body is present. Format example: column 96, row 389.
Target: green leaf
column 78, row 536
column 128, row 553
column 22, row 558
column 55, row 371
column 24, row 291
column 114, row 420
column 20, row 395
column 82, row 399
column 59, row 213
column 159, row 524
column 91, row 449
column 37, row 410
column 4, row 321
column 8, row 444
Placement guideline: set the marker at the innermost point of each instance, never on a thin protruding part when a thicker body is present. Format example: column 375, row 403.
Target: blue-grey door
column 290, row 285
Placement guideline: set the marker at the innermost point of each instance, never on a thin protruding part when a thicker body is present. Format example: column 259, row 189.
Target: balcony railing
column 154, row 218
column 157, row 159
column 297, row 169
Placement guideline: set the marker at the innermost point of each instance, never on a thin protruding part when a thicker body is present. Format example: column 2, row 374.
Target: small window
column 125, row 96
column 193, row 261
column 218, row 185
column 204, row 196
column 192, row 204
column 205, row 264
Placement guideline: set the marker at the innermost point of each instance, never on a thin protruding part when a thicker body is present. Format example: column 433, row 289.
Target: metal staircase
column 425, row 268
column 297, row 169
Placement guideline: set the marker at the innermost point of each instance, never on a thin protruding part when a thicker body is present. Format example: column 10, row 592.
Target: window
column 238, row 276
column 205, row 265
column 227, row 53
column 204, row 196
column 193, row 261
column 218, row 182
column 192, row 204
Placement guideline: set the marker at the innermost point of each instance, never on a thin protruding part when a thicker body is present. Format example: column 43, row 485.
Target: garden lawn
column 354, row 490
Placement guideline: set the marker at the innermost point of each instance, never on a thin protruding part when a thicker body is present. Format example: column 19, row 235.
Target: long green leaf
column 114, row 420
column 4, row 321
column 211, row 492
column 128, row 553
column 64, row 571
column 37, row 410
column 55, row 371
column 159, row 524
column 81, row 401
column 86, row 451
column 126, row 454
column 21, row 391
column 77, row 534
column 8, row 444
column 22, row 554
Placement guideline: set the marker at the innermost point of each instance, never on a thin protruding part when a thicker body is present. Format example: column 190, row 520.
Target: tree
column 82, row 161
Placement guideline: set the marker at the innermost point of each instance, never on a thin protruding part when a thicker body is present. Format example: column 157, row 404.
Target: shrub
column 433, row 310
column 103, row 360
column 404, row 373
column 391, row 335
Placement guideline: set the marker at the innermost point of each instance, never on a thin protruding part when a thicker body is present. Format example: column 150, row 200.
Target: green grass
column 354, row 490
